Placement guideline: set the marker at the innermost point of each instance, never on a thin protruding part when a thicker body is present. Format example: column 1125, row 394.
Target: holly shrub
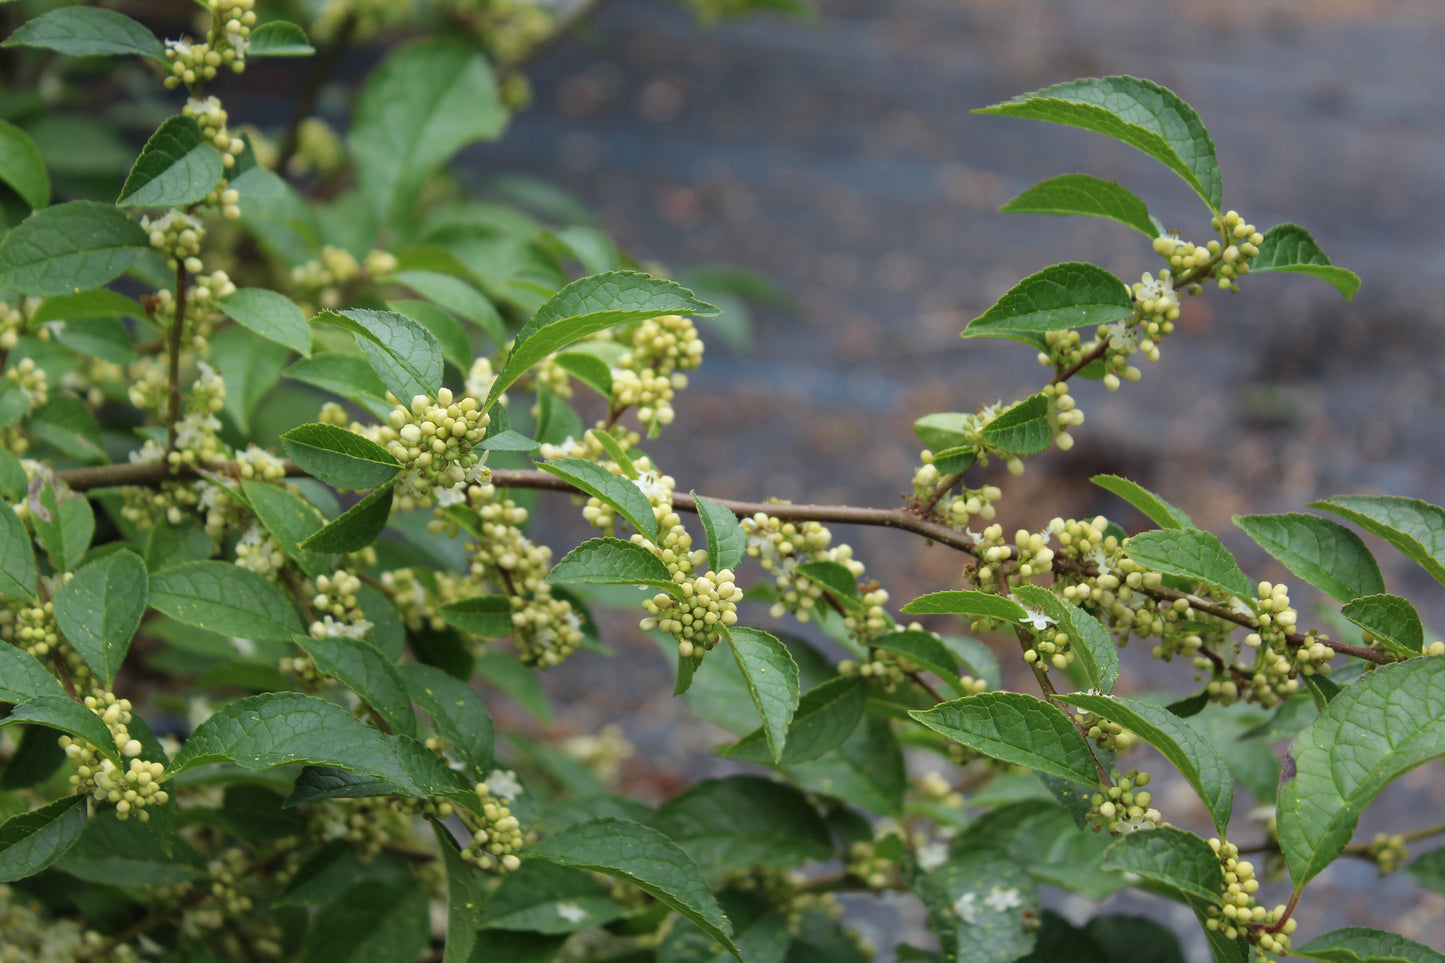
column 237, row 680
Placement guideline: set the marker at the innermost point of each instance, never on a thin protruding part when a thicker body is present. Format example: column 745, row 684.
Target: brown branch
column 178, row 323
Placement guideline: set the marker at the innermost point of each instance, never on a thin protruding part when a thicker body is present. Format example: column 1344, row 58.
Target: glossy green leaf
column 100, row 608
column 1170, row 857
column 457, row 296
column 457, row 715
column 177, row 167
column 976, row 605
column 1091, row 642
column 23, row 677
column 1015, row 728
column 1392, row 620
column 17, row 558
column 588, row 369
column 83, row 31
column 279, row 38
column 517, row 681
column 426, row 101
column 611, row 561
column 1138, row 112
column 70, row 247
column 1289, row 247
column 977, row 658
column 487, row 616
column 404, row 355
column 466, row 898
column 451, row 337
column 589, row 305
column 63, row 713
column 1429, row 869
column 727, row 543
column 251, row 366
column 291, row 729
column 1327, row 555
column 544, row 897
column 924, row 650
column 270, row 314
column 340, row 458
column 1047, row 841
column 65, row 534
column 1414, row 527
column 357, row 527
column 1361, row 944
column 369, row 674
column 1082, row 194
column 22, row 167
column 1158, row 511
column 645, row 858
column 66, row 424
column 377, row 921
column 345, row 375
column 983, row 907
column 624, row 496
column 728, row 825
column 1193, row 755
column 1340, row 764
column 826, row 716
column 1069, row 295
column 33, row 840
column 225, row 599
column 833, row 577
column 1192, row 554
column 142, row 853
column 291, row 520
column 105, row 338
column 771, row 676
column 867, row 770
column 1023, row 429
column 84, row 305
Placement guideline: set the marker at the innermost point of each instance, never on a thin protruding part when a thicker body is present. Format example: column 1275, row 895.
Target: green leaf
column 977, row 605
column 70, row 247
column 589, row 305
column 63, row 713
column 451, row 336
column 1134, row 938
column 826, row 716
column 1340, row 764
column 22, row 167
column 226, row 599
column 619, row 493
column 1046, row 840
column 177, row 167
column 645, row 858
column 1414, row 527
column 270, row 314
column 366, row 672
column 425, row 102
column 1171, row 857
column 23, row 677
column 279, row 38
column 835, row 578
column 1325, row 554
column 456, row 713
column 457, row 296
column 1289, row 247
column 1191, row 554
column 1138, row 112
column 1091, row 642
column 105, row 338
column 543, row 897
column 771, row 676
column 1068, row 295
column 404, row 355
column 1082, row 194
column 377, row 921
column 31, row 841
column 1392, row 620
column 99, row 303
column 925, row 650
column 979, row 933
column 1015, row 728
column 1361, row 944
column 291, row 520
column 291, row 729
column 66, row 424
column 611, row 561
column 867, row 770
column 345, row 375
column 517, row 681
column 590, row 247
column 355, row 528
column 487, row 616
column 466, row 898
column 100, row 608
column 1428, row 869
column 141, row 853
column 83, row 31
column 250, row 365
column 1159, row 511
column 1023, row 429
column 17, row 558
column 66, row 533
column 1193, row 755
column 727, row 825
column 727, row 543
column 340, row 458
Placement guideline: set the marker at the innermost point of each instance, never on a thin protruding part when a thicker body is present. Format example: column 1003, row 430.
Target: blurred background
column 839, row 161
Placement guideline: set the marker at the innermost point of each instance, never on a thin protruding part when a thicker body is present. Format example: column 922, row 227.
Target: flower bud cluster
column 366, row 824
column 318, row 148
column 782, row 891
column 12, row 325
column 508, row 29
column 1064, row 413
column 961, row 508
column 434, row 441
column 33, row 628
column 1123, row 808
column 324, row 278
column 708, row 603
column 193, row 63
column 30, row 379
column 781, row 546
column 498, row 835
column 362, row 17
column 258, row 552
column 131, row 789
column 1389, row 851
column 338, row 612
column 413, row 599
column 863, row 861
column 1238, row 916
column 603, row 753
column 1051, row 649
column 32, row 937
column 1107, row 735
column 651, row 372
column 197, row 441
column 211, row 117
column 176, row 235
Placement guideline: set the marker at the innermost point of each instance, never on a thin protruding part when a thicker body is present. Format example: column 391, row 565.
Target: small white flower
column 244, row 647
column 932, row 855
column 652, row 486
column 965, row 909
column 571, row 912
column 1037, row 620
column 503, row 783
column 1001, row 900
column 1134, row 824
column 447, row 497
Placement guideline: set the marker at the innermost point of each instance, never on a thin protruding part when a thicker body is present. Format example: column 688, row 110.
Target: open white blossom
column 504, row 783
column 571, row 912
column 1002, row 899
column 1037, row 620
column 965, row 908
